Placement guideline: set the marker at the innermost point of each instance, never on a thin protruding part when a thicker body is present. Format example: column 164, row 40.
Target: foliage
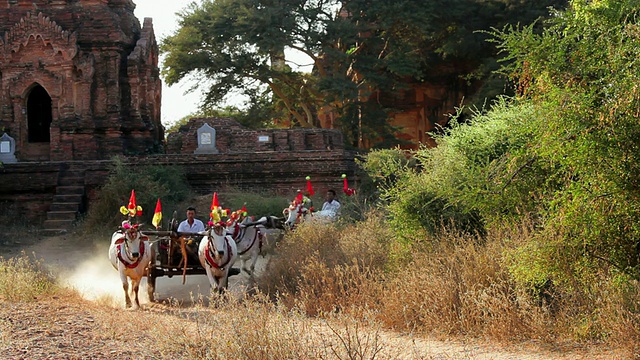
column 470, row 179
column 150, row 182
column 258, row 204
column 360, row 50
column 581, row 73
column 254, row 117
column 385, row 167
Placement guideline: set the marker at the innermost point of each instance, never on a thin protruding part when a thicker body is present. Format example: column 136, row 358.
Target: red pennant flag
column 214, row 202
column 157, row 215
column 309, row 187
column 132, row 201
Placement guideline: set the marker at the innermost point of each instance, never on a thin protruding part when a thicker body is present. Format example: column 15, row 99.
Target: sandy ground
column 86, row 267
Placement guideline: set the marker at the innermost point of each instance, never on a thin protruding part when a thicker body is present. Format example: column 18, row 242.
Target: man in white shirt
column 331, row 206
column 191, row 224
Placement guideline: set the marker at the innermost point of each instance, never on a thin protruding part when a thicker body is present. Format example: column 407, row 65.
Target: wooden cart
column 174, row 253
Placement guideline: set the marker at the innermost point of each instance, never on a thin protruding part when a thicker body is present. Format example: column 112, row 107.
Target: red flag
column 132, row 202
column 157, row 215
column 214, row 202
column 309, row 187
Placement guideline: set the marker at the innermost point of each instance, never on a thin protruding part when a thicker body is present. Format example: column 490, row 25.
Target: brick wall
column 231, row 137
column 27, row 189
column 30, row 186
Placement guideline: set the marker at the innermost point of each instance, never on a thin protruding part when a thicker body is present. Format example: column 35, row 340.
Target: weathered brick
column 98, row 66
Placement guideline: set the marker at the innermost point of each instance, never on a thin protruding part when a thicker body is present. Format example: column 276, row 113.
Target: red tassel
column 309, row 187
column 345, row 186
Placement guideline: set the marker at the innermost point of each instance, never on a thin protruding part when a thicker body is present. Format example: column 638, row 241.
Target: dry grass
column 331, row 294
column 457, row 287
column 23, row 279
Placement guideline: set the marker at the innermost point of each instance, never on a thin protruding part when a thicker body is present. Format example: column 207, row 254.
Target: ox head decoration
column 131, row 209
column 294, row 214
column 131, row 245
column 130, row 230
column 216, row 239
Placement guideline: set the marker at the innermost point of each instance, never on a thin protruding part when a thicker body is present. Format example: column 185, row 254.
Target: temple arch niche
column 39, row 115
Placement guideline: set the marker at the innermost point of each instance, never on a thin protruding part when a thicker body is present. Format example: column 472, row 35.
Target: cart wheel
column 151, row 286
column 151, row 275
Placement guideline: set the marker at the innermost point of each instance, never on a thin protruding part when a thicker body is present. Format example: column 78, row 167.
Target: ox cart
column 175, row 253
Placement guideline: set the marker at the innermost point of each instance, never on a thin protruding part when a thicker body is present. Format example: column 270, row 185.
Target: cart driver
column 191, row 224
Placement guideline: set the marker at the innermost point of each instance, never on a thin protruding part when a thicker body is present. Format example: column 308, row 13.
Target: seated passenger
column 331, row 206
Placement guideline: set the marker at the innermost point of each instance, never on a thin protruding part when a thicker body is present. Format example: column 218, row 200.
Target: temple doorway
column 39, row 115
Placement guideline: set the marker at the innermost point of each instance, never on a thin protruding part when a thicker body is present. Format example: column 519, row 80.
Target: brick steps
column 67, row 202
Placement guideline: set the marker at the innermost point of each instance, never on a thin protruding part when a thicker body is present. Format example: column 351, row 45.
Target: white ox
column 130, row 254
column 217, row 253
column 297, row 213
column 249, row 237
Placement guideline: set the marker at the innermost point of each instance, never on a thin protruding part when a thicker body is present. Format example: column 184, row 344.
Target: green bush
column 257, row 204
column 580, row 74
column 469, row 180
column 150, row 182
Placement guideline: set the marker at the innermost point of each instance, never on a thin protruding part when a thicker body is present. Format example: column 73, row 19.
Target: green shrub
column 150, row 182
column 257, row 204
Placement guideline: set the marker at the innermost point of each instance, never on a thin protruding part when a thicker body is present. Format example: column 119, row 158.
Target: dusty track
column 56, row 329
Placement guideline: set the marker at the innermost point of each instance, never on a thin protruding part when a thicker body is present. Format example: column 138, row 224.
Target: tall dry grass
column 255, row 328
column 23, row 278
column 341, row 286
column 456, row 285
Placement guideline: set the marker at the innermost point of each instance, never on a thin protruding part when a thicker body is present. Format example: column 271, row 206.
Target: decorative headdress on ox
column 217, row 212
column 238, row 215
column 132, row 210
column 345, row 186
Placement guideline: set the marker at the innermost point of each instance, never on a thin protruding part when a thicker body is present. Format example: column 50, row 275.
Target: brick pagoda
column 79, row 80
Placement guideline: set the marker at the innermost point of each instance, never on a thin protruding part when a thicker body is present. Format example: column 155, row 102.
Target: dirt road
column 85, row 266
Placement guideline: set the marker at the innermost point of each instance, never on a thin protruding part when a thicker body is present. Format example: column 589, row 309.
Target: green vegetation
column 257, row 204
column 150, row 182
column 358, row 49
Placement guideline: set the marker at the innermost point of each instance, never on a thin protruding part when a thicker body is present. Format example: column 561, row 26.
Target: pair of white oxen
column 131, row 255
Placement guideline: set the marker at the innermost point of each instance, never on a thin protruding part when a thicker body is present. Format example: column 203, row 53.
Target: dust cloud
column 85, row 267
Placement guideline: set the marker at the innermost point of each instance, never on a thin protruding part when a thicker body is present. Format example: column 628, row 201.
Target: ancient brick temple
column 79, row 79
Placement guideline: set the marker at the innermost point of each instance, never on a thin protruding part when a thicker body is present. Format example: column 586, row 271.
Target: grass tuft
column 24, row 279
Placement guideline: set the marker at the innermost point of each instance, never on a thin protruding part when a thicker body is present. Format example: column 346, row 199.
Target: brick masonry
column 98, row 67
column 278, row 165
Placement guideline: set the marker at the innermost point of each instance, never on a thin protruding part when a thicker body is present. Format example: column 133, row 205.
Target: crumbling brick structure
column 79, row 80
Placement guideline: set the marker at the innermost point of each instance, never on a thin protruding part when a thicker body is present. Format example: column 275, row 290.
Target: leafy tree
column 580, row 73
column 365, row 53
column 239, row 44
